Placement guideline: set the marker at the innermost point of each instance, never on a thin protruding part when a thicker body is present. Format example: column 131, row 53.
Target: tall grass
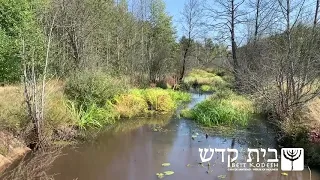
column 93, row 116
column 141, row 101
column 208, row 80
column 223, row 108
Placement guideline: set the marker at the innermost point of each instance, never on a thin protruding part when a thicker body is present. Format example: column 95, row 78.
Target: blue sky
column 174, row 8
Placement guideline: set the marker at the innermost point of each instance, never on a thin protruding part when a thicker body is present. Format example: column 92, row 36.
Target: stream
column 136, row 149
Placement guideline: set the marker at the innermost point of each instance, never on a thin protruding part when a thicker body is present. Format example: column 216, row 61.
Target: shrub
column 87, row 88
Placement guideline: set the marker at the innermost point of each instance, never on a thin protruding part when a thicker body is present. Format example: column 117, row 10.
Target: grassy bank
column 224, row 107
column 86, row 101
column 207, row 81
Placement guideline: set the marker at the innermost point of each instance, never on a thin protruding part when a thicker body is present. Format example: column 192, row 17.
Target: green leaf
column 165, row 164
column 168, row 173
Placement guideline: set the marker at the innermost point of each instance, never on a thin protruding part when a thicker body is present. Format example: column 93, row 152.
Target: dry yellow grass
column 311, row 113
column 13, row 114
column 11, row 107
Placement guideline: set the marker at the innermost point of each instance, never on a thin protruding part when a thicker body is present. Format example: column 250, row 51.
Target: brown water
column 135, row 150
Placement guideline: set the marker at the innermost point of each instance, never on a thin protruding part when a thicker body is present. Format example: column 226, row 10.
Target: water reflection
column 131, row 150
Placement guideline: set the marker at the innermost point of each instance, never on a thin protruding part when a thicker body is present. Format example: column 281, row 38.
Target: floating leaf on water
column 222, row 176
column 197, row 134
column 193, row 136
column 284, row 174
column 165, row 164
column 188, row 165
column 168, row 173
column 160, row 175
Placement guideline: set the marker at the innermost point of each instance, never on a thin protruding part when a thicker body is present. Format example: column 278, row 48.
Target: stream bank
column 136, row 149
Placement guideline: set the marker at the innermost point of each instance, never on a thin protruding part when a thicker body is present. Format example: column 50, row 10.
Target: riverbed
column 136, row 149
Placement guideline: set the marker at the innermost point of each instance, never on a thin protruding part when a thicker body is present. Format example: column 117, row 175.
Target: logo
column 252, row 163
column 292, row 159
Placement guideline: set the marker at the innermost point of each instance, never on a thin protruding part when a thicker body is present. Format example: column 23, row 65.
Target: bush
column 87, row 88
column 229, row 110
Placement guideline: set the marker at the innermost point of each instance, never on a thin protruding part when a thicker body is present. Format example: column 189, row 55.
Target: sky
column 174, row 8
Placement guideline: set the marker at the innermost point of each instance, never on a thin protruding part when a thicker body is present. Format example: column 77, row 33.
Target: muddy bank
column 136, row 149
column 11, row 150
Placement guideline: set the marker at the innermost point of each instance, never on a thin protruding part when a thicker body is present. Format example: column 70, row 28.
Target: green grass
column 208, row 81
column 206, row 88
column 199, row 76
column 141, row 101
column 93, row 116
column 223, row 108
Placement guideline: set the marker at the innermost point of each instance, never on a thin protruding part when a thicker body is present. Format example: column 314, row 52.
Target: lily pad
column 160, row 175
column 168, row 173
column 284, row 174
column 165, row 164
column 222, row 176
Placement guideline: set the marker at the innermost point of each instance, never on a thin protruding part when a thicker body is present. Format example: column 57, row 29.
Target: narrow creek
column 135, row 150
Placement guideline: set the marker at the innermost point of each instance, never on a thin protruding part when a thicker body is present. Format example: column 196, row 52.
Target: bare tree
column 227, row 15
column 191, row 21
column 35, row 96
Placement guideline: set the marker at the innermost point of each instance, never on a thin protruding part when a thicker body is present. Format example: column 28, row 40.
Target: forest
column 71, row 68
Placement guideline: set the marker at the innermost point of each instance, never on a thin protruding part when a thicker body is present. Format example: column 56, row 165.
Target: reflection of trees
column 118, row 149
column 131, row 124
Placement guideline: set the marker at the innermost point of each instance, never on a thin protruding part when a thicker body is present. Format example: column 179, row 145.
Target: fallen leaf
column 222, row 176
column 160, row 175
column 168, row 173
column 284, row 174
column 165, row 164
column 188, row 165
